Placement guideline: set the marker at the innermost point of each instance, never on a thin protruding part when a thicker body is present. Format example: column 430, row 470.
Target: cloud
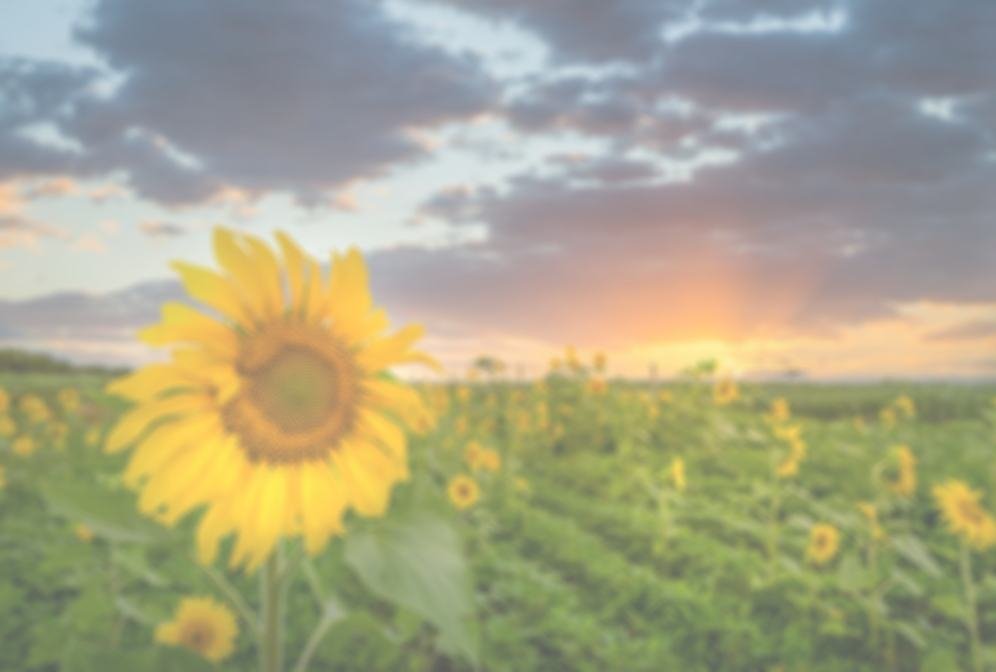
column 160, row 229
column 968, row 331
column 301, row 97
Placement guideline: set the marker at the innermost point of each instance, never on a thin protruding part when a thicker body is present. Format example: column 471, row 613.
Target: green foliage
column 598, row 562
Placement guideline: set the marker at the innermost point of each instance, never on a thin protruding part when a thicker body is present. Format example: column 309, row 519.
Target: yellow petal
column 183, row 324
column 137, row 420
column 214, row 291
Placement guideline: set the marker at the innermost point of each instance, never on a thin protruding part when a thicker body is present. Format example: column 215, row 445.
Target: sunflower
column 202, row 625
column 7, row 426
column 965, row 516
column 676, row 474
column 597, row 386
column 824, row 540
column 780, row 412
column 463, row 491
column 35, row 409
column 275, row 411
column 870, row 512
column 489, row 460
column 904, row 481
column 69, row 399
column 23, row 446
column 725, row 392
column 83, row 532
column 472, row 454
column 905, row 406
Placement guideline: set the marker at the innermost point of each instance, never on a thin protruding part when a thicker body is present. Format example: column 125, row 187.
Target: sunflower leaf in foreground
column 414, row 559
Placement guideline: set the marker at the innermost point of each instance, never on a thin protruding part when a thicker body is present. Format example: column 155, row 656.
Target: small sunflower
column 824, row 540
column 904, row 481
column 725, row 392
column 676, row 474
column 780, row 412
column 83, row 532
column 275, row 411
column 35, row 409
column 870, row 512
column 965, row 516
column 7, row 426
column 202, row 625
column 489, row 460
column 472, row 454
column 887, row 416
column 905, row 406
column 463, row 491
column 69, row 399
column 597, row 386
column 23, row 446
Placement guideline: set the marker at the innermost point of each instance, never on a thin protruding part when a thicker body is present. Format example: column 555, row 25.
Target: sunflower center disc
column 298, row 396
column 196, row 636
column 297, row 390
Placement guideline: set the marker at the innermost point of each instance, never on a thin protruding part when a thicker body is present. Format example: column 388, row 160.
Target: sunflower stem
column 234, row 597
column 271, row 636
column 971, row 611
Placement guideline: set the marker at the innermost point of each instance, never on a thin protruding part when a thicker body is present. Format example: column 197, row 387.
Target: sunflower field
column 273, row 497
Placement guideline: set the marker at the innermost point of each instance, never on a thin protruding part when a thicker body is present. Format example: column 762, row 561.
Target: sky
column 801, row 185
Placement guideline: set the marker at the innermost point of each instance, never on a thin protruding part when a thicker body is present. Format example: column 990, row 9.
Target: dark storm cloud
column 301, row 97
column 34, row 93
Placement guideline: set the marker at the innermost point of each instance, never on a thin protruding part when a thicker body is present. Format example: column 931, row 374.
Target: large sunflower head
column 202, row 625
column 275, row 411
column 964, row 514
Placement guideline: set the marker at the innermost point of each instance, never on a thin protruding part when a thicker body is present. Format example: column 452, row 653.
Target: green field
column 583, row 550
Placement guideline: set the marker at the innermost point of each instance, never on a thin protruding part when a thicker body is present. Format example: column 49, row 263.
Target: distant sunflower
column 676, row 474
column 870, row 512
column 202, row 625
column 780, row 411
column 472, row 454
column 83, row 532
column 965, row 516
column 23, row 446
column 725, row 391
column 489, row 460
column 904, row 481
column 275, row 411
column 69, row 399
column 35, row 409
column 7, row 426
column 463, row 491
column 824, row 540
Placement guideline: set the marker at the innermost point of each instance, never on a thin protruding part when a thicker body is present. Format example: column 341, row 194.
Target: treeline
column 23, row 361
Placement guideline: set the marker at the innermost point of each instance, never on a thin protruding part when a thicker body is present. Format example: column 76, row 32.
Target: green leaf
column 109, row 513
column 851, row 575
column 913, row 550
column 415, row 560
